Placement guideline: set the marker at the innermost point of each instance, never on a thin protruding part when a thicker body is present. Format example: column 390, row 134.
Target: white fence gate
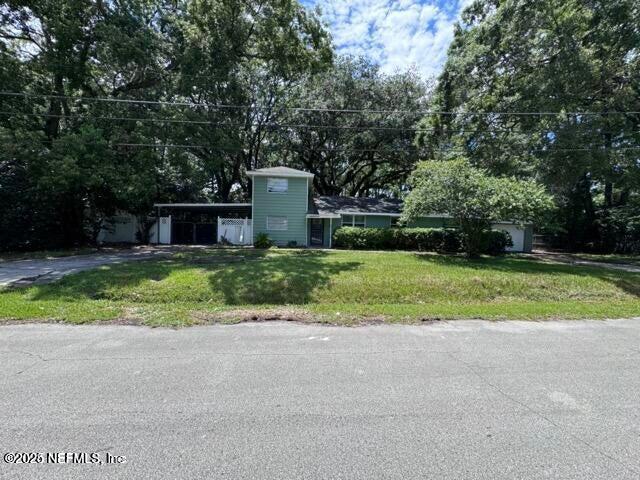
column 237, row 231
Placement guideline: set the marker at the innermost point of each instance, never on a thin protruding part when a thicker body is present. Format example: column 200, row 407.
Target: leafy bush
column 263, row 241
column 292, row 244
column 423, row 239
column 495, row 242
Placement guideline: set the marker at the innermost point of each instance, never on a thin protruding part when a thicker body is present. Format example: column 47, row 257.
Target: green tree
column 474, row 198
column 246, row 54
column 556, row 56
column 64, row 165
column 367, row 151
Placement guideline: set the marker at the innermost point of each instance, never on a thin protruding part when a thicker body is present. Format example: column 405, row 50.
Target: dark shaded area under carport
column 197, row 224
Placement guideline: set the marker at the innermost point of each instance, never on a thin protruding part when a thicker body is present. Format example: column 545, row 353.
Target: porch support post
column 330, row 230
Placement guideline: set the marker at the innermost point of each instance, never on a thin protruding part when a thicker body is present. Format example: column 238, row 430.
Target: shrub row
column 421, row 239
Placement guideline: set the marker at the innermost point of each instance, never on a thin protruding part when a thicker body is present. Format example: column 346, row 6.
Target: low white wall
column 122, row 229
column 517, row 235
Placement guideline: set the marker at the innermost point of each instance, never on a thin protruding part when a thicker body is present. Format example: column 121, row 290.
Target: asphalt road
column 450, row 400
column 30, row 271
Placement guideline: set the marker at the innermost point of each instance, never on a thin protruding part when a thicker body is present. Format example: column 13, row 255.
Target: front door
column 316, row 232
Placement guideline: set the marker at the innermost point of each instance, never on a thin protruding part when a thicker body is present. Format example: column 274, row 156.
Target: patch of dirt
column 248, row 315
column 297, row 315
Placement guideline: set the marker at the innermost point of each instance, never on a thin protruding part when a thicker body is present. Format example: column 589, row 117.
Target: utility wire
column 268, row 125
column 301, row 109
column 324, row 149
column 241, row 125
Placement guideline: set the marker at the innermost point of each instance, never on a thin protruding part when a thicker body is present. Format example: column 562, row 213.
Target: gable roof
column 279, row 172
column 325, row 205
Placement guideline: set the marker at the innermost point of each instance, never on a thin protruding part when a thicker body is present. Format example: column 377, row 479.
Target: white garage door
column 517, row 235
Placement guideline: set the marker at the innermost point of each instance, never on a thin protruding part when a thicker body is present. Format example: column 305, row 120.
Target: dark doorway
column 205, row 233
column 196, row 223
column 316, row 232
column 182, row 232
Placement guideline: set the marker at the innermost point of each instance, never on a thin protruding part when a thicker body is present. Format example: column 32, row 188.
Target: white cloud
column 398, row 34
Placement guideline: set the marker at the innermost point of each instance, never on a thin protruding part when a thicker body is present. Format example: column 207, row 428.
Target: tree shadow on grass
column 102, row 282
column 241, row 277
column 629, row 282
column 96, row 284
column 277, row 279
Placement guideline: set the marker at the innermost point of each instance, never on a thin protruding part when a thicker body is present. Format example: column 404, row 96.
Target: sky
column 397, row 34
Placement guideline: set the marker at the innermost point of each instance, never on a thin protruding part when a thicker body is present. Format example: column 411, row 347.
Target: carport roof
column 279, row 172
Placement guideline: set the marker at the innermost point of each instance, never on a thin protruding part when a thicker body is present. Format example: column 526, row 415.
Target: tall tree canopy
column 108, row 84
column 563, row 58
column 359, row 139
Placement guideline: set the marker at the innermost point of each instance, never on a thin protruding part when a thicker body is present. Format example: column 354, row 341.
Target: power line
column 342, row 150
column 268, row 125
column 302, row 109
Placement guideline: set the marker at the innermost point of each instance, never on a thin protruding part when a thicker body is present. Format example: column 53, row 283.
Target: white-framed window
column 277, row 185
column 277, row 223
column 353, row 220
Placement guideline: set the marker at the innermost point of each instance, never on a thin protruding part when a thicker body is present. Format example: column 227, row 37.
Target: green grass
column 338, row 287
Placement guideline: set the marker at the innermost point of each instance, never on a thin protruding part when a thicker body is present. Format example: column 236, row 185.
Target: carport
column 195, row 223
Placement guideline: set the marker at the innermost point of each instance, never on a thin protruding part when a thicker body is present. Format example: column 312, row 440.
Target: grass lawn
column 346, row 287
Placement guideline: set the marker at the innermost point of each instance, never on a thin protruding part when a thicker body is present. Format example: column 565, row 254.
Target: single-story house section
column 283, row 207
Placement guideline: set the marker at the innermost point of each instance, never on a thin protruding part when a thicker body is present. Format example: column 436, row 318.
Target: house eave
column 322, row 215
column 252, row 173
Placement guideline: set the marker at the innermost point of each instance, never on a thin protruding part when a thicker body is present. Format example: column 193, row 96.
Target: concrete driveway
column 26, row 272
column 456, row 400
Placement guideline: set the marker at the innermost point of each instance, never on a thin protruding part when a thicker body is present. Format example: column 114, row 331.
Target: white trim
column 284, row 223
column 355, row 212
column 283, row 192
column 255, row 173
column 164, row 205
column 306, row 221
column 353, row 220
column 323, row 215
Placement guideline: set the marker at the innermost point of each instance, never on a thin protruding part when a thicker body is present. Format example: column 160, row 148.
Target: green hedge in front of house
column 421, row 239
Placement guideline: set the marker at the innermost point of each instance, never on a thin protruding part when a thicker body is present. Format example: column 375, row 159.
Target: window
column 277, row 223
column 353, row 220
column 277, row 185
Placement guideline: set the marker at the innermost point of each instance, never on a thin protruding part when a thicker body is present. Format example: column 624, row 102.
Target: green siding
column 377, row 221
column 292, row 205
column 528, row 238
column 334, row 223
column 432, row 222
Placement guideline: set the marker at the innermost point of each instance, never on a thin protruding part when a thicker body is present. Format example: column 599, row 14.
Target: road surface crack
column 513, row 399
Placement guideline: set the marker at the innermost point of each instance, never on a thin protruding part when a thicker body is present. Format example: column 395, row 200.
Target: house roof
column 279, row 172
column 327, row 205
